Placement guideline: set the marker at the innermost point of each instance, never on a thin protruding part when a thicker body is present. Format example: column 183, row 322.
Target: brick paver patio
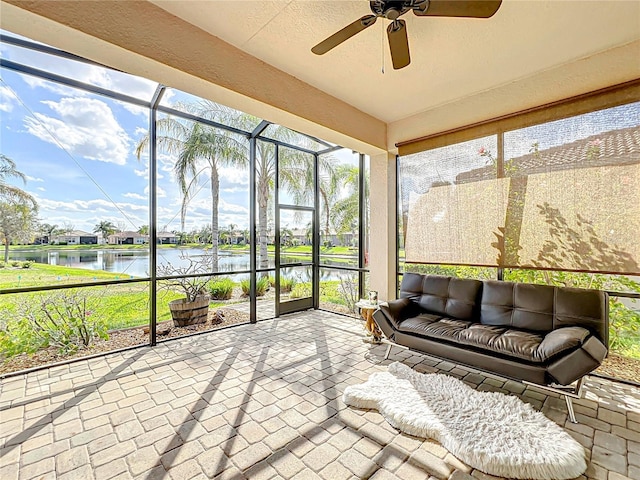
column 261, row 401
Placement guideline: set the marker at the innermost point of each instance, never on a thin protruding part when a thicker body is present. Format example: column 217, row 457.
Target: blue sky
column 78, row 150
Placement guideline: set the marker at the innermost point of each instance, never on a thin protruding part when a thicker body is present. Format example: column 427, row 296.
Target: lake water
column 136, row 262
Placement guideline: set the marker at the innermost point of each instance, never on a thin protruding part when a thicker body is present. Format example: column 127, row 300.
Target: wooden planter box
column 189, row 313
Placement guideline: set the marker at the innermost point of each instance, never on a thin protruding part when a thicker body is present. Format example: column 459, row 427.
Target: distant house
column 166, row 237
column 127, row 238
column 75, row 237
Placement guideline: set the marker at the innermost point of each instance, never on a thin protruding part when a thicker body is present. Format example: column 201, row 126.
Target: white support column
column 382, row 229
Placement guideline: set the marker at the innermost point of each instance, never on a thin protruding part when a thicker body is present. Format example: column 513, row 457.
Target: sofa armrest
column 399, row 310
column 389, row 316
column 560, row 340
column 565, row 369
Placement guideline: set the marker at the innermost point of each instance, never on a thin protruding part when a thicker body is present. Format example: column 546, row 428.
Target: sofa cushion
column 450, row 297
column 518, row 305
column 534, row 347
column 434, row 326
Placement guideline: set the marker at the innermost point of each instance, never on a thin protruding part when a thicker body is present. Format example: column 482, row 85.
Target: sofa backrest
column 446, row 296
column 519, row 305
column 585, row 308
column 544, row 308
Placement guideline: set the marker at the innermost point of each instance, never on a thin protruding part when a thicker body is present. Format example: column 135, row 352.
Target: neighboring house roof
column 616, row 147
column 129, row 234
column 77, row 233
column 165, row 234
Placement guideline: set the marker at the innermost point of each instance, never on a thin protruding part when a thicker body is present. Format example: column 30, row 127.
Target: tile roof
column 616, row 147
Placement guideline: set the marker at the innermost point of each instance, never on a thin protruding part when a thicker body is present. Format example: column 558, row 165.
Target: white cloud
column 235, row 189
column 141, row 132
column 34, row 179
column 84, row 214
column 135, row 196
column 227, row 207
column 7, row 99
column 57, row 88
column 86, row 127
column 136, row 109
column 234, row 175
column 42, row 189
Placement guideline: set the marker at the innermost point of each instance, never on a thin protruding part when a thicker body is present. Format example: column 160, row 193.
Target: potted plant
column 194, row 307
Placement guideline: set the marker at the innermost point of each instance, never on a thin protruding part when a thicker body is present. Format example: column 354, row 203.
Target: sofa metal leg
column 386, row 355
column 568, row 392
column 572, row 415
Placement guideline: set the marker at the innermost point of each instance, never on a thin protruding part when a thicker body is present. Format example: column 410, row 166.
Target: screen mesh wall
column 562, row 195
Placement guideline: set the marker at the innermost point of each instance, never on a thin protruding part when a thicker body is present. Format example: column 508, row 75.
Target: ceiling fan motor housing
column 390, row 9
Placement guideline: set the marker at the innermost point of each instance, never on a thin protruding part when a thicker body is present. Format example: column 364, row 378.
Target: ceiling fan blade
column 344, row 34
column 458, row 8
column 399, row 44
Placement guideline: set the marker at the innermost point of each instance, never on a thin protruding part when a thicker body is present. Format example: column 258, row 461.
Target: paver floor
column 262, row 401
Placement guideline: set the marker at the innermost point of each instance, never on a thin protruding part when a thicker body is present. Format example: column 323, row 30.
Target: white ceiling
column 451, row 58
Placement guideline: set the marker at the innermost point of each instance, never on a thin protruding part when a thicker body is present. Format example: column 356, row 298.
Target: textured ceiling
column 452, row 58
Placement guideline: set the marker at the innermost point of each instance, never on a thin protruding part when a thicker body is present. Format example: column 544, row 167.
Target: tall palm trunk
column 327, row 213
column 215, row 199
column 263, row 202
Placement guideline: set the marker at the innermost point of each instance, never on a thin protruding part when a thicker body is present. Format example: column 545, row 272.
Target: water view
column 135, row 262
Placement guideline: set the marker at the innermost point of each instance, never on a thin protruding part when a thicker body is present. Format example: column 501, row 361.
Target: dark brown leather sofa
column 550, row 336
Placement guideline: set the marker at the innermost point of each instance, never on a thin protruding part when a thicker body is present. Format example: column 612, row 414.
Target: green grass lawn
column 41, row 274
column 124, row 305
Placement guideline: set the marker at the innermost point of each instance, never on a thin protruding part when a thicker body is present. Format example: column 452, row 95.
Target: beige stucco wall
column 382, row 242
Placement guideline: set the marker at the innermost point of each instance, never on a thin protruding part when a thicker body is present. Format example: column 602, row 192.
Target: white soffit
column 452, row 59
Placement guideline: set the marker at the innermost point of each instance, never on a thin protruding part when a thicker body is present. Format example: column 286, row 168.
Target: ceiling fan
column 397, row 32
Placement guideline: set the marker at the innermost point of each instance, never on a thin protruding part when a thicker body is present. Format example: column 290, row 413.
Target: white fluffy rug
column 495, row 433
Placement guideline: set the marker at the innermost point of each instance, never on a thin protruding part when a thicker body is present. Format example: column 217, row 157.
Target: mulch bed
column 624, row 368
column 124, row 338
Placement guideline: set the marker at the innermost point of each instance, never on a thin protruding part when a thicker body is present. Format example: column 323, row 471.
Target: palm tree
column 201, row 151
column 296, row 176
column 105, row 228
column 9, row 192
column 47, row 230
column 345, row 212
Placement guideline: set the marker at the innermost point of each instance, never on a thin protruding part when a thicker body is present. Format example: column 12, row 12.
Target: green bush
column 301, row 290
column 2, row 264
column 287, row 284
column 66, row 320
column 15, row 263
column 262, row 285
column 221, row 288
column 27, row 264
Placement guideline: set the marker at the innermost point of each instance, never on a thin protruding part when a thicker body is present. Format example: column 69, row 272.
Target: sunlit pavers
column 261, row 401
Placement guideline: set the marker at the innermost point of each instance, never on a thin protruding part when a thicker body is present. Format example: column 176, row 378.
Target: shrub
column 27, row 264
column 15, row 263
column 262, row 285
column 221, row 288
column 66, row 320
column 301, row 290
column 287, row 284
column 2, row 264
